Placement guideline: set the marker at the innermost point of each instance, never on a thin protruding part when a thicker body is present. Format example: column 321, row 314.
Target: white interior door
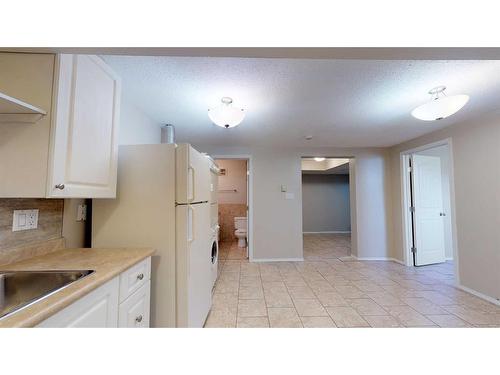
column 428, row 215
column 248, row 207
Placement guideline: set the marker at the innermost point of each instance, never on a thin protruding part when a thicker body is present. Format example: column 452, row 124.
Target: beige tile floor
column 330, row 289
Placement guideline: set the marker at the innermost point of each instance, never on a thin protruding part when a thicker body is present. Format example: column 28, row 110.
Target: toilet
column 240, row 224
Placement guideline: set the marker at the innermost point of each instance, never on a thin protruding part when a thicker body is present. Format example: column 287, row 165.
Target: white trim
column 480, row 295
column 248, row 158
column 387, row 259
column 278, row 260
column 428, row 146
column 331, row 232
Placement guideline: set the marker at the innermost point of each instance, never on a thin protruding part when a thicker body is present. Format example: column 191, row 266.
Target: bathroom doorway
column 234, row 207
column 326, row 207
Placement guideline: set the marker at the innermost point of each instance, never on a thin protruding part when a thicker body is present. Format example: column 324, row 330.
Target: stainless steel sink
column 19, row 289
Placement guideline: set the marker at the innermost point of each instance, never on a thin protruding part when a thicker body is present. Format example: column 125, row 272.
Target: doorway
column 427, row 178
column 233, row 192
column 326, row 207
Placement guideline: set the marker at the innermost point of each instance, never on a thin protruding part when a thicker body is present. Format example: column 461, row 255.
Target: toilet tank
column 240, row 222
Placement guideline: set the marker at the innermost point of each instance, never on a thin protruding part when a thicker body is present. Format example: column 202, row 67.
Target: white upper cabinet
column 59, row 119
column 83, row 142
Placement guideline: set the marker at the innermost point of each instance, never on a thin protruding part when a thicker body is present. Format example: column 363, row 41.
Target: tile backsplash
column 50, row 220
column 227, row 213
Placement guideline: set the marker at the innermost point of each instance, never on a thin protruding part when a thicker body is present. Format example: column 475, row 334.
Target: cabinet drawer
column 134, row 311
column 134, row 278
column 97, row 309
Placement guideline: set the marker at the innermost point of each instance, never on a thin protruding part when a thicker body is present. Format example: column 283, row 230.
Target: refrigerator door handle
column 190, row 224
column 190, row 184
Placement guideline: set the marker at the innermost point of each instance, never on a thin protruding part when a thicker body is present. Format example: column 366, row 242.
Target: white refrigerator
column 193, row 237
column 162, row 202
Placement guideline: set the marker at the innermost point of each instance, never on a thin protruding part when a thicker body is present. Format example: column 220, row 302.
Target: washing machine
column 214, row 256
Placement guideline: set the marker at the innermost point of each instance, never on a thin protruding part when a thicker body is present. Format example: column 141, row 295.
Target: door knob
column 442, row 214
column 138, row 319
column 59, row 186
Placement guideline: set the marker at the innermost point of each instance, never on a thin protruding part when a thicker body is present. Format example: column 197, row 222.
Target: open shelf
column 13, row 110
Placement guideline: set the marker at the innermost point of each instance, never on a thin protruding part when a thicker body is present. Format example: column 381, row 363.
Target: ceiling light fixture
column 318, row 159
column 440, row 106
column 226, row 115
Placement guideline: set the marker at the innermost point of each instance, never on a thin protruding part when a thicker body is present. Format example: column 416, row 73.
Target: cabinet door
column 98, row 309
column 84, row 135
column 134, row 311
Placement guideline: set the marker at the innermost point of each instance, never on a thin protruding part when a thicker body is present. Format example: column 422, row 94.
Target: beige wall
column 73, row 231
column 475, row 154
column 135, row 126
column 235, row 179
column 325, row 203
column 277, row 222
column 24, row 147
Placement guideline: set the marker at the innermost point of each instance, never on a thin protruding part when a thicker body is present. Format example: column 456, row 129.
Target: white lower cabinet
column 103, row 307
column 134, row 311
column 98, row 309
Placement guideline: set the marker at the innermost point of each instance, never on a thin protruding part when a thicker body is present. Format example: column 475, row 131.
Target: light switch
column 283, row 188
column 24, row 220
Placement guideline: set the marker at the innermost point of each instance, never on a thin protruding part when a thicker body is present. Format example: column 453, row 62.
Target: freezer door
column 192, row 175
column 193, row 264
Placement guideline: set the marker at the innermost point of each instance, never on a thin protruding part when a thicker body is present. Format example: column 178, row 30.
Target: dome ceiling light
column 225, row 115
column 440, row 106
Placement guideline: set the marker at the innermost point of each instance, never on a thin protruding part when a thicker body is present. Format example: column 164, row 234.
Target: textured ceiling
column 342, row 103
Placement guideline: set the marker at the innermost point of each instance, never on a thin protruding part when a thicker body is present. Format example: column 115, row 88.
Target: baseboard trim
column 479, row 294
column 448, row 258
column 261, row 260
column 386, row 259
column 330, row 232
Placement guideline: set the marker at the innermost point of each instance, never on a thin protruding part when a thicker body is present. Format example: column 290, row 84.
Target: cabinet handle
column 59, row 186
column 140, row 276
column 138, row 319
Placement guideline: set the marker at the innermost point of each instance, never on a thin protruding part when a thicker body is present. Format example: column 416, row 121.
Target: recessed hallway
column 330, row 289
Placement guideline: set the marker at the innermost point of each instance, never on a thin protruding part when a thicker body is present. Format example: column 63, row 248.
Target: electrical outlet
column 81, row 214
column 24, row 220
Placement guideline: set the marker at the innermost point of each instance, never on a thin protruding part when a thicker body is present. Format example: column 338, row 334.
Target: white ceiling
column 342, row 103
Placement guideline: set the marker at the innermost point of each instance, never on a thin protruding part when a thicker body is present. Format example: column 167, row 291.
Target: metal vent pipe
column 167, row 133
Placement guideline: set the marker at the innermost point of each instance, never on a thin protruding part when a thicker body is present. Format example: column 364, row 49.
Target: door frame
column 248, row 159
column 352, row 200
column 405, row 203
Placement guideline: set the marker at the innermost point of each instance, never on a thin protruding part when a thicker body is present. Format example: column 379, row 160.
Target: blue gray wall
column 325, row 203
